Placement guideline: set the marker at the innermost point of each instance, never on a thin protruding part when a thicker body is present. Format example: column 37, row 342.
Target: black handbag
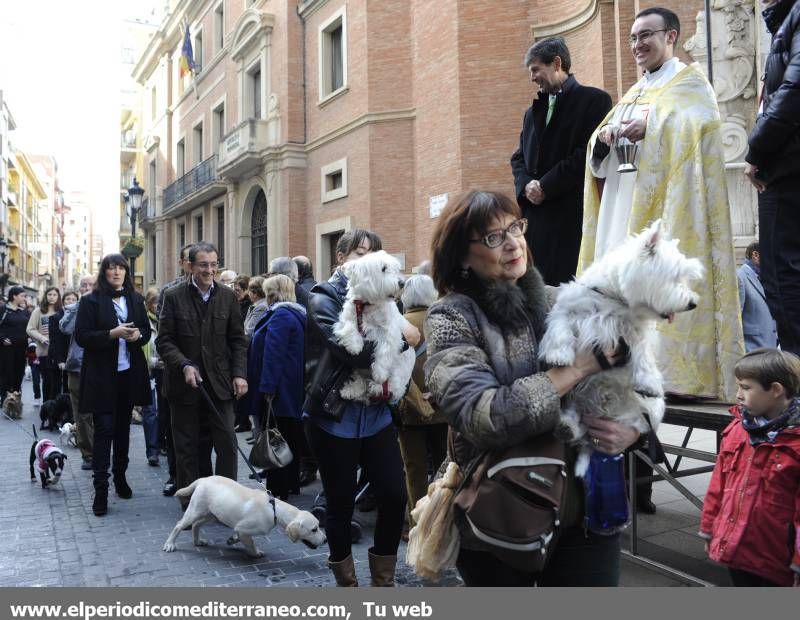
column 270, row 450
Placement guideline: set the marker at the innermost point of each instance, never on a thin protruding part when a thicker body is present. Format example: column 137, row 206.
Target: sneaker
column 86, row 464
column 153, row 461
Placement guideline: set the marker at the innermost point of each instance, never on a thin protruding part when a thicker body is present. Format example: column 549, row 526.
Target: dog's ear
column 652, row 236
column 293, row 531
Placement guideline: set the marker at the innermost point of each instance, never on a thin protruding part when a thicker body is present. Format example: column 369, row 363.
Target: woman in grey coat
column 483, row 374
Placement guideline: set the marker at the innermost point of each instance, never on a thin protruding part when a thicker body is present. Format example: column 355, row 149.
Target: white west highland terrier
column 613, row 305
column 370, row 313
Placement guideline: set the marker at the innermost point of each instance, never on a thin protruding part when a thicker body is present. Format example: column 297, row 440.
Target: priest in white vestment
column 670, row 122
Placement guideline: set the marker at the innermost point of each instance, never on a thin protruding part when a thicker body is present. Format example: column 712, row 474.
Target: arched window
column 258, row 235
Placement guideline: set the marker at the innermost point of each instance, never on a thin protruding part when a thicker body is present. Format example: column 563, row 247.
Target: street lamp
column 134, row 202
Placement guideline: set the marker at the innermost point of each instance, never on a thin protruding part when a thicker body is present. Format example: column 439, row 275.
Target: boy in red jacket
column 751, row 513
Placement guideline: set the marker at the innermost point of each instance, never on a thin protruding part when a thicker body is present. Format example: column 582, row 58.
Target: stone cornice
column 566, row 26
column 308, row 7
column 370, row 118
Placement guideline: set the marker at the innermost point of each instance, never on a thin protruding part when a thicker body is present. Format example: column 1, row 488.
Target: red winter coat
column 751, row 512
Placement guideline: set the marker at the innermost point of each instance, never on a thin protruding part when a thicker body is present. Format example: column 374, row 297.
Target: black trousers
column 579, row 559
column 286, row 480
column 190, row 456
column 744, row 579
column 779, row 241
column 164, row 422
column 338, row 461
column 12, row 369
column 112, row 429
column 52, row 381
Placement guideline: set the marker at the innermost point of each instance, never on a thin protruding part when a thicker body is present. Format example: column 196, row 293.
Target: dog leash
column 270, row 496
column 35, row 436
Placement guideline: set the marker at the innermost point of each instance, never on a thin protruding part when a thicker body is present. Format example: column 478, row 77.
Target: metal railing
column 147, row 210
column 198, row 177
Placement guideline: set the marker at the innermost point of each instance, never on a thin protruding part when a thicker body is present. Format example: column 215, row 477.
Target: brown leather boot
column 344, row 572
column 381, row 569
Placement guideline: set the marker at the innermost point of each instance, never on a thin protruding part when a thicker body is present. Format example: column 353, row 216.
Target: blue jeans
column 150, row 423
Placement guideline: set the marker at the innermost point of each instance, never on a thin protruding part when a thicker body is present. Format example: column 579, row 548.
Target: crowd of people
column 264, row 347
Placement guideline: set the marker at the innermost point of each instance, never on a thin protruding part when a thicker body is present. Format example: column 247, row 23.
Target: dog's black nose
column 692, row 305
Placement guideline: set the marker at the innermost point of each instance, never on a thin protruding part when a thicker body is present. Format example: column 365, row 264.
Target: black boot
column 122, row 488
column 100, row 503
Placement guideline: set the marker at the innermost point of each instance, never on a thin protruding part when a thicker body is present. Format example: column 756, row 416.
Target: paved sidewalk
column 51, row 538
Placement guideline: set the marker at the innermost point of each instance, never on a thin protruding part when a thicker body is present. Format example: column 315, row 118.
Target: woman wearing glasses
column 483, row 374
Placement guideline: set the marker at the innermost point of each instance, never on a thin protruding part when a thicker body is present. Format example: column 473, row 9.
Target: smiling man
column 201, row 341
column 549, row 164
column 671, row 115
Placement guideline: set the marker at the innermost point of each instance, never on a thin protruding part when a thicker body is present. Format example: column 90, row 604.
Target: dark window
column 337, row 60
column 333, row 240
column 258, row 235
column 221, row 235
column 198, row 228
column 181, row 235
column 153, row 255
column 257, row 94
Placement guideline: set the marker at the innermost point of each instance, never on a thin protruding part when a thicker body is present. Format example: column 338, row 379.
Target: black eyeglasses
column 643, row 36
column 496, row 238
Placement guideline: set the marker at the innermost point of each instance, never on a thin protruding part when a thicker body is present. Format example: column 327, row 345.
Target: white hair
column 284, row 265
column 418, row 292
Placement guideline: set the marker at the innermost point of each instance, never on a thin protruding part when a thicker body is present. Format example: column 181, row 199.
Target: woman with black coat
column 13, row 340
column 112, row 327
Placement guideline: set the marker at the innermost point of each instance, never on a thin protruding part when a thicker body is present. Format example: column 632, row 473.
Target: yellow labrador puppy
column 249, row 512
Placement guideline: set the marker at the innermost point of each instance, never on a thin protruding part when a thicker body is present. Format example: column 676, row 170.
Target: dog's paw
column 582, row 462
column 560, row 356
column 232, row 540
column 201, row 542
column 169, row 547
column 256, row 554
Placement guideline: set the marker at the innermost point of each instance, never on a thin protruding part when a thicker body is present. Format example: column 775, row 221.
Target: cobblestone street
column 51, row 538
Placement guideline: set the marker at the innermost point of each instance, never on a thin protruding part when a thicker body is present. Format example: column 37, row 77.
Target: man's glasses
column 205, row 266
column 496, row 238
column 643, row 36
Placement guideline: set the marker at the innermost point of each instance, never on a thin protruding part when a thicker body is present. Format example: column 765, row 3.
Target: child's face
column 769, row 403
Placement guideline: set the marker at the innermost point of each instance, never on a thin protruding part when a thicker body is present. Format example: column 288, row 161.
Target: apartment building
column 306, row 118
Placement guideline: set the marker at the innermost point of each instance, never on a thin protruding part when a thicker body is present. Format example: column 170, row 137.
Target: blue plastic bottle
column 606, row 496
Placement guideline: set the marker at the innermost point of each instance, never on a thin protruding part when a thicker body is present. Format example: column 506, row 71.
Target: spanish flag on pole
column 187, row 56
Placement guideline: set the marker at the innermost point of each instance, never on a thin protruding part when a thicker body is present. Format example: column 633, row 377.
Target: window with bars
column 221, row 234
column 258, row 235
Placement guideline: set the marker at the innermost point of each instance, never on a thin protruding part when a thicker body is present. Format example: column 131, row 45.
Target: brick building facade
column 310, row 117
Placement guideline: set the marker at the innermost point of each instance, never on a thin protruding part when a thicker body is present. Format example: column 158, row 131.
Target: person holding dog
column 362, row 435
column 13, row 341
column 112, row 328
column 751, row 511
column 659, row 154
column 484, row 376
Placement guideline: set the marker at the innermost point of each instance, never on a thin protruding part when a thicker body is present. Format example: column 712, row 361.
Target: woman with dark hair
column 112, row 327
column 483, row 374
column 362, row 435
column 13, row 340
column 39, row 332
column 59, row 344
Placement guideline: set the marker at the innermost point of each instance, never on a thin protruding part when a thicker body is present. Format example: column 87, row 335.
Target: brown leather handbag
column 510, row 501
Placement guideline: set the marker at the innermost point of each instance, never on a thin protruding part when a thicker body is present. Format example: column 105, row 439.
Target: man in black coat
column 549, row 164
column 773, row 166
column 201, row 341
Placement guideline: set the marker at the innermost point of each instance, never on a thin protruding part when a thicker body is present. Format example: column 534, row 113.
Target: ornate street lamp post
column 134, row 202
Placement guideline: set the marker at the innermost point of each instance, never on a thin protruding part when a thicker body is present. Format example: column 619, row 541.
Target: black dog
column 48, row 461
column 53, row 413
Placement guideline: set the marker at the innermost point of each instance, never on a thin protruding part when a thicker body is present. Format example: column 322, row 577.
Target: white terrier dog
column 370, row 314
column 614, row 305
column 69, row 433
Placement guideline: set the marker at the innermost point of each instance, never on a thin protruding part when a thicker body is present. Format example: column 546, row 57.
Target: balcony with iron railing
column 240, row 151
column 196, row 186
column 146, row 212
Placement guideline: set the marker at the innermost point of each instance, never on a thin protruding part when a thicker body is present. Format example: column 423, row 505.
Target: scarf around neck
column 761, row 432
